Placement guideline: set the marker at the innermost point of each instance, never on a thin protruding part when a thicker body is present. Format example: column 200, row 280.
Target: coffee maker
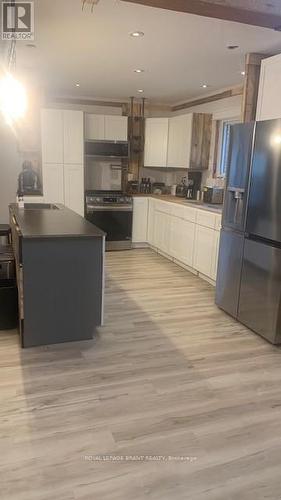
column 193, row 184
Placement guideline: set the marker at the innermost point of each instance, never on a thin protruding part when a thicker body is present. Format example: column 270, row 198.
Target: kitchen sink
column 40, row 206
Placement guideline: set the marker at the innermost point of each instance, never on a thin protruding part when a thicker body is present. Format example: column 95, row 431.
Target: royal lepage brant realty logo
column 17, row 20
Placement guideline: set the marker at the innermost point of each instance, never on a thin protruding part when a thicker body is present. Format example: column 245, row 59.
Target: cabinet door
column 162, row 225
column 140, row 214
column 179, row 141
column 216, row 244
column 269, row 98
column 52, row 135
column 150, row 222
column 53, row 182
column 116, row 128
column 156, row 142
column 94, row 127
column 74, row 187
column 204, row 250
column 73, row 136
column 182, row 236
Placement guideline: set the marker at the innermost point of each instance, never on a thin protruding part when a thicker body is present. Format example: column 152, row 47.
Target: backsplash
column 168, row 176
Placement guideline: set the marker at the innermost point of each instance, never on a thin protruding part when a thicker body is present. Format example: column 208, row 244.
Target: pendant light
column 13, row 98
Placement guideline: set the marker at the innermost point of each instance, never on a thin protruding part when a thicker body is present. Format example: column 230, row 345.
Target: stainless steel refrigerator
column 234, row 218
column 249, row 271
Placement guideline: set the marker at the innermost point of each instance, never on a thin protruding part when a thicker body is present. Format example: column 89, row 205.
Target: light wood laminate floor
column 169, row 375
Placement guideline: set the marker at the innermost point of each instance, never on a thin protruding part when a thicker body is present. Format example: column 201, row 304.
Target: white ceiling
column 179, row 52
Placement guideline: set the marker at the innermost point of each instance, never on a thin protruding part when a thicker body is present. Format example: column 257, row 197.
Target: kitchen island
column 59, row 263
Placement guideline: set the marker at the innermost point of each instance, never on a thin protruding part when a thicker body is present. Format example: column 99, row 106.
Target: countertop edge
column 180, row 201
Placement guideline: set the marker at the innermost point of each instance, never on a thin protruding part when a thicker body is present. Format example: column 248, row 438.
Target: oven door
column 116, row 222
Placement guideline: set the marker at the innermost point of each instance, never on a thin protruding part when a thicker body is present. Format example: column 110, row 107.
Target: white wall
column 9, row 169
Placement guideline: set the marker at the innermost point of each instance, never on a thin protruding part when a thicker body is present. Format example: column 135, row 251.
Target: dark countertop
column 60, row 223
column 183, row 201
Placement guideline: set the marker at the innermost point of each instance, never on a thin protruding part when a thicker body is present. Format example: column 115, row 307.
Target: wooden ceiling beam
column 211, row 98
column 217, row 10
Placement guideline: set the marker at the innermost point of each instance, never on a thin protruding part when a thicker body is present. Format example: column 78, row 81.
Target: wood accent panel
column 251, row 86
column 169, row 374
column 216, row 147
column 200, row 141
column 218, row 11
column 211, row 98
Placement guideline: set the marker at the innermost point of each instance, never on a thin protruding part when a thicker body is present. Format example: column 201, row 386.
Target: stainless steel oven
column 112, row 212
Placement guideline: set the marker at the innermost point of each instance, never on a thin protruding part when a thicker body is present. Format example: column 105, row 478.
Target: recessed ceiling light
column 138, row 70
column 77, row 84
column 137, row 34
column 204, row 86
column 140, row 91
column 232, row 47
column 243, row 73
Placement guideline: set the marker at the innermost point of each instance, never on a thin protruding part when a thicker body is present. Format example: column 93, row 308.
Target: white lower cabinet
column 140, row 219
column 204, row 250
column 215, row 255
column 162, row 224
column 74, row 188
column 150, row 222
column 189, row 236
column 53, row 182
column 182, row 234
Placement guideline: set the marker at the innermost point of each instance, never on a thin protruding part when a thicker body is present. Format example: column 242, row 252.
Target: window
column 224, row 146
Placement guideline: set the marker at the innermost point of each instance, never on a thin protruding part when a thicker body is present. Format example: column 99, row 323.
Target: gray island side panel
column 63, row 281
column 62, row 277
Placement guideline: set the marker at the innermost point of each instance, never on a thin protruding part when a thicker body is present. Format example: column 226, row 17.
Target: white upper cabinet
column 63, row 157
column 106, row 127
column 73, row 136
column 116, row 128
column 179, row 141
column 156, row 142
column 269, row 97
column 53, row 182
column 52, row 135
column 74, row 187
column 94, row 127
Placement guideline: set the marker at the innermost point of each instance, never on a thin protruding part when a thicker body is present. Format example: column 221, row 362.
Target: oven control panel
column 109, row 200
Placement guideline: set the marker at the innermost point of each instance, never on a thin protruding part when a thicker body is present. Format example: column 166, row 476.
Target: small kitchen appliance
column 213, row 195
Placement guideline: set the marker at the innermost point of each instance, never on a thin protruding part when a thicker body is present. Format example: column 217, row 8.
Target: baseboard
column 206, row 278
column 140, row 245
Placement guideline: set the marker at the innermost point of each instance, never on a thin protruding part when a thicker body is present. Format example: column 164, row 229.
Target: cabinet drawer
column 163, row 206
column 177, row 210
column 190, row 214
column 206, row 219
